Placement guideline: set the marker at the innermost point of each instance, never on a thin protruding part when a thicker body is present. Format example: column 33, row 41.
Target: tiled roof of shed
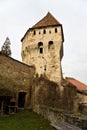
column 79, row 85
column 48, row 20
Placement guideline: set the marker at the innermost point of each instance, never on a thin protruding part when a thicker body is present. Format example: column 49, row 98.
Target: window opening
column 40, row 46
column 50, row 44
column 49, row 31
column 41, row 50
column 44, row 31
column 34, row 32
column 55, row 30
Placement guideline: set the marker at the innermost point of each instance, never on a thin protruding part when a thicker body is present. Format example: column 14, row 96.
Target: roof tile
column 79, row 85
column 48, row 20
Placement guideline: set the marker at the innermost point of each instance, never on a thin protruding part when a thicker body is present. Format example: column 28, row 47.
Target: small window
column 49, row 31
column 44, row 31
column 40, row 44
column 55, row 30
column 39, row 32
column 40, row 47
column 41, row 50
column 34, row 32
column 50, row 44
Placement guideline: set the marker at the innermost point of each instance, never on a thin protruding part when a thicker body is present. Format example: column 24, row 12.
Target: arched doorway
column 21, row 99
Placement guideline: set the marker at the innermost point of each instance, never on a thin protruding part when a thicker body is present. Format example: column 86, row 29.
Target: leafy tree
column 5, row 49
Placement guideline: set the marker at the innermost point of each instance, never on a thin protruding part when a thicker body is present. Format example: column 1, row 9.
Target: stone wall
column 44, row 93
column 57, row 115
column 57, row 104
column 15, row 77
column 47, row 93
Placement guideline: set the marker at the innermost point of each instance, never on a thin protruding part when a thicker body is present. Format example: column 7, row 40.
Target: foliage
column 24, row 121
column 5, row 49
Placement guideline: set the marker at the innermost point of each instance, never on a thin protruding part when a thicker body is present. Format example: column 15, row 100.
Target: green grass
column 24, row 121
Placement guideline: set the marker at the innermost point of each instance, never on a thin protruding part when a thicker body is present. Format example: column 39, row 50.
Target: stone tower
column 42, row 46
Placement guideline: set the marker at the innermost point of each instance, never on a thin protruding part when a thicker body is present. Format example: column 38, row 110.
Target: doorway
column 21, row 99
column 4, row 103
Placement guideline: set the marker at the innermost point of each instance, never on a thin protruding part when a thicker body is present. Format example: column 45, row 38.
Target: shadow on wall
column 47, row 93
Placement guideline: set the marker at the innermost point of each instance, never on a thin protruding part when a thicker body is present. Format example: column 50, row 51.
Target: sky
column 17, row 16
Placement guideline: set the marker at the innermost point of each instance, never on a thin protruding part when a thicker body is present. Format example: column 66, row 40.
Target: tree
column 5, row 49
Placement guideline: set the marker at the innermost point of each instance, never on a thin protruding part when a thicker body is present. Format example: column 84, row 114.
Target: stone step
column 64, row 126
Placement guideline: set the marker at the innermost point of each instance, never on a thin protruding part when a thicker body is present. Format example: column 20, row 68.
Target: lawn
column 25, row 120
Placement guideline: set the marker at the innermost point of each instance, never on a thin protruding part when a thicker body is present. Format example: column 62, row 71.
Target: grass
column 25, row 120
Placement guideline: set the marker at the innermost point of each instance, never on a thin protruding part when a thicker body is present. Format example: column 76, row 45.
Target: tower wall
column 43, row 47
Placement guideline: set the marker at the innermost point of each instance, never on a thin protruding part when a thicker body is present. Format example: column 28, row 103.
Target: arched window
column 55, row 30
column 50, row 44
column 40, row 46
column 44, row 31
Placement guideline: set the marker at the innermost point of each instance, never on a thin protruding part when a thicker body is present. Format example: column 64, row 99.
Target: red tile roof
column 48, row 20
column 79, row 85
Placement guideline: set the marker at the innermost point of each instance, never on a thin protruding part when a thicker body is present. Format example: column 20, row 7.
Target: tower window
column 34, row 32
column 40, row 44
column 50, row 44
column 55, row 30
column 41, row 50
column 40, row 47
column 44, row 31
column 49, row 31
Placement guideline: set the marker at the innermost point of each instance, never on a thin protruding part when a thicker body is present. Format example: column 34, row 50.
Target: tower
column 42, row 46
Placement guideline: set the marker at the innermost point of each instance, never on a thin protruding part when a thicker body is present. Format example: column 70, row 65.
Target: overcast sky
column 17, row 16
